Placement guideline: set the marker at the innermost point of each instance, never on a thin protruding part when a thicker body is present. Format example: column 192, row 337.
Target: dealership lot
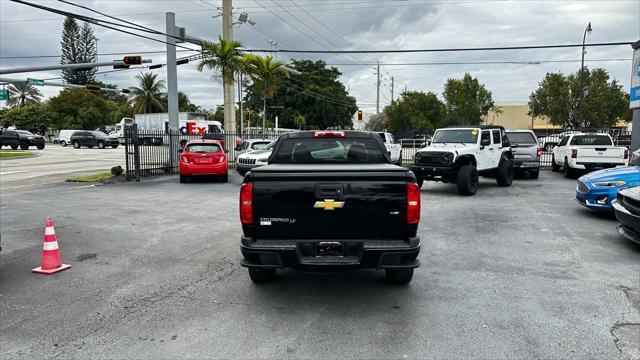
column 55, row 163
column 511, row 272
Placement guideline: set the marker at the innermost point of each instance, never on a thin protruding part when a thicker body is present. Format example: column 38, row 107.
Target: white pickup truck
column 394, row 149
column 587, row 152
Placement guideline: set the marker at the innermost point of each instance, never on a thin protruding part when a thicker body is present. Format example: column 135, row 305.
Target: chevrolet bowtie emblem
column 329, row 204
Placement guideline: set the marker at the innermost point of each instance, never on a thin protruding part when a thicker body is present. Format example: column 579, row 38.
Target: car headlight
column 263, row 159
column 610, row 183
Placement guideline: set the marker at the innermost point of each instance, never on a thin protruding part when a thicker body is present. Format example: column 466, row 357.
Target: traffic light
column 132, row 60
column 359, row 115
column 92, row 87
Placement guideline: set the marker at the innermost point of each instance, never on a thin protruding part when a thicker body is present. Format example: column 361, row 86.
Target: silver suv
column 526, row 152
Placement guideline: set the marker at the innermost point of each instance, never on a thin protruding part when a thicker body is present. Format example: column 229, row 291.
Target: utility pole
column 378, row 90
column 172, row 74
column 229, row 101
column 240, row 102
column 581, row 104
column 392, row 89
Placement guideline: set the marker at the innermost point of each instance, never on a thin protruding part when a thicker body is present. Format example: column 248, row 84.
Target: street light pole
column 581, row 105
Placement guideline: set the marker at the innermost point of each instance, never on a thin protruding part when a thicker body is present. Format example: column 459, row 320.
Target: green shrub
column 117, row 170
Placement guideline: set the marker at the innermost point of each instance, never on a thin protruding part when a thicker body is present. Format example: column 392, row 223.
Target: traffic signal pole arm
column 63, row 66
column 70, row 86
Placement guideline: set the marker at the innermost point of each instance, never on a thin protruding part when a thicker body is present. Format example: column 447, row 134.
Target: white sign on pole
column 634, row 95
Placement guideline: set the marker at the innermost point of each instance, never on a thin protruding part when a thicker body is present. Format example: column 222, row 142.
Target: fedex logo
column 192, row 129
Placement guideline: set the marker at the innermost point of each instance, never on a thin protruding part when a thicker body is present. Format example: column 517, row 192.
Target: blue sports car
column 597, row 189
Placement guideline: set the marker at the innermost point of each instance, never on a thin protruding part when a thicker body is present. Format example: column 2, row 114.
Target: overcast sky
column 353, row 24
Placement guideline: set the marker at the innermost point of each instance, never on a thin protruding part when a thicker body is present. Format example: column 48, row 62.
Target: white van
column 64, row 138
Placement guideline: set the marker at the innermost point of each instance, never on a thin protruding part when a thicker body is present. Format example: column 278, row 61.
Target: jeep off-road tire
column 263, row 275
column 504, row 176
column 554, row 167
column 398, row 276
column 467, row 180
column 567, row 171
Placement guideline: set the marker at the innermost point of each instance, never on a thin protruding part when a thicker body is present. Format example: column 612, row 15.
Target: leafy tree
column 81, row 109
column 316, row 93
column 148, row 96
column 377, row 122
column 558, row 97
column 21, row 94
column 415, row 110
column 78, row 46
column 34, row 117
column 467, row 101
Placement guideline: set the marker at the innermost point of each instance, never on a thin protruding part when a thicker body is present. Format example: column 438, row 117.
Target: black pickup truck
column 330, row 200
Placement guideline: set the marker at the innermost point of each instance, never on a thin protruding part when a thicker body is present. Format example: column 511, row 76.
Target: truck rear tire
column 263, row 275
column 398, row 276
column 554, row 167
column 467, row 180
column 504, row 176
column 567, row 171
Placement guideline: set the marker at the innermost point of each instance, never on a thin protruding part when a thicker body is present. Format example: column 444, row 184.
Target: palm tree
column 497, row 110
column 148, row 97
column 266, row 74
column 224, row 57
column 22, row 94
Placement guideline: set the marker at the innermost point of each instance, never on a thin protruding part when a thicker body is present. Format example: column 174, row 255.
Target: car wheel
column 554, row 167
column 534, row 174
column 63, row 143
column 567, row 171
column 24, row 146
column 40, row 147
column 114, row 146
column 100, row 145
column 467, row 180
column 76, row 144
column 183, row 179
column 14, row 147
column 419, row 182
column 398, row 276
column 224, row 178
column 504, row 177
column 263, row 275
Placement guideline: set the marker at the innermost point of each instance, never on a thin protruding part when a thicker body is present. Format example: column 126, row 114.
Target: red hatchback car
column 203, row 157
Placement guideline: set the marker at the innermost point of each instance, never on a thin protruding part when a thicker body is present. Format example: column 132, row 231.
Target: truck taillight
column 413, row 204
column 328, row 134
column 574, row 153
column 246, row 203
column 538, row 152
column 626, row 153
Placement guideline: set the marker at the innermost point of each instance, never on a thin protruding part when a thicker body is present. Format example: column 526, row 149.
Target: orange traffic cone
column 51, row 261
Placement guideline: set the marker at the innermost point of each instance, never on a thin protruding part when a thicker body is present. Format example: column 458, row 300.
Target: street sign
column 634, row 94
column 4, row 94
column 36, row 82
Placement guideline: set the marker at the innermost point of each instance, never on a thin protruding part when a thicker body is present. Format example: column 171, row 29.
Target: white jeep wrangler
column 460, row 154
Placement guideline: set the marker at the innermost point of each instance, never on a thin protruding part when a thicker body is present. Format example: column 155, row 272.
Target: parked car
column 394, row 149
column 251, row 144
column 526, row 152
column 587, row 152
column 21, row 138
column 254, row 158
column 596, row 190
column 634, row 158
column 547, row 143
column 458, row 154
column 330, row 200
column 92, row 138
column 622, row 140
column 203, row 157
column 627, row 208
column 64, row 138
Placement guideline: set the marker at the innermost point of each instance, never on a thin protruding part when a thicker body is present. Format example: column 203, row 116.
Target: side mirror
column 514, row 145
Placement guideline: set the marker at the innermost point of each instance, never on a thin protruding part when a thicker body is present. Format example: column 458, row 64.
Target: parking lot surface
column 56, row 163
column 519, row 272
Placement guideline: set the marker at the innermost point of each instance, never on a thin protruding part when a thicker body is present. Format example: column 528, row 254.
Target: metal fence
column 156, row 152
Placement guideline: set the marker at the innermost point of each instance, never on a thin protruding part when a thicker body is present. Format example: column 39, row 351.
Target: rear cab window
column 203, row 148
column 329, row 150
column 603, row 140
column 522, row 138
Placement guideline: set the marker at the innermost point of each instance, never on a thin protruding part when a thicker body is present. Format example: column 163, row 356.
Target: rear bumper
column 592, row 165
column 433, row 173
column 208, row 169
column 297, row 254
column 526, row 164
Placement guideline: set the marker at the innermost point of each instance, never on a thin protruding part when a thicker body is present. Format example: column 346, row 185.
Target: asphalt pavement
column 56, row 163
column 519, row 272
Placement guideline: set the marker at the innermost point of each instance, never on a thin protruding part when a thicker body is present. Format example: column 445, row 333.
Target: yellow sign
column 329, row 204
column 474, row 132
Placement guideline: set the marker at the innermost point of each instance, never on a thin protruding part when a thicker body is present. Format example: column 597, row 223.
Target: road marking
column 12, row 172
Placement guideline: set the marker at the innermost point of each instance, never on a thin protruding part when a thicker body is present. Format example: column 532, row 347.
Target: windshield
column 258, row 145
column 203, row 148
column 99, row 134
column 591, row 140
column 456, row 136
column 524, row 137
column 330, row 150
column 24, row 132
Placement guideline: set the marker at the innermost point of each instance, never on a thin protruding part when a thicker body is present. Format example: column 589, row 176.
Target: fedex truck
column 189, row 124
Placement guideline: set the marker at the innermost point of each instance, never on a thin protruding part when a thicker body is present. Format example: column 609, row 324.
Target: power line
column 525, row 62
column 100, row 54
column 499, row 48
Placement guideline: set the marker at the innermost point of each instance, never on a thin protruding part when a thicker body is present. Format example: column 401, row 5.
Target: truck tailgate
column 345, row 202
column 600, row 155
